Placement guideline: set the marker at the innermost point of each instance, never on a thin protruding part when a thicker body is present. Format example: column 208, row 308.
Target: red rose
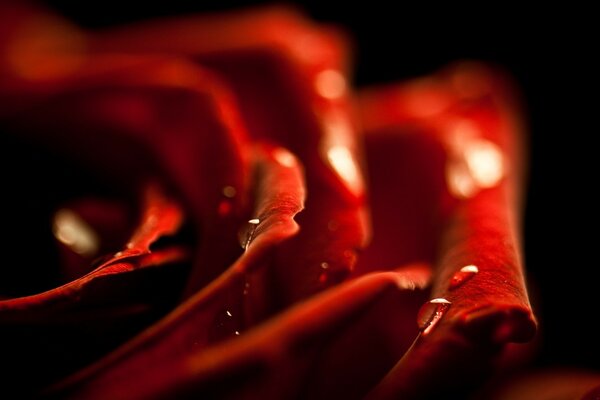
column 226, row 192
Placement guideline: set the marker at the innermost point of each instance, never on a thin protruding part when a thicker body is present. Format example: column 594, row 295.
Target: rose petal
column 160, row 217
column 488, row 309
column 136, row 110
column 289, row 77
column 284, row 357
column 406, row 182
column 120, row 293
column 38, row 50
column 148, row 112
column 226, row 306
column 489, row 305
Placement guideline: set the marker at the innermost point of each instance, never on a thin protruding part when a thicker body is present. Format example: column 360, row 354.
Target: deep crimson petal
column 289, row 77
column 406, row 183
column 119, row 293
column 39, row 50
column 468, row 112
column 160, row 217
column 172, row 121
column 285, row 356
column 155, row 119
column 160, row 119
column 223, row 309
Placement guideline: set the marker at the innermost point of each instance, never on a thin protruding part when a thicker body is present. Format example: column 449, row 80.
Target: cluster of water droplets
column 225, row 325
column 434, row 310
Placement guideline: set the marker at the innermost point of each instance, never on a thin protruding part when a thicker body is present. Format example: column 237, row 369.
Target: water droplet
column 249, row 234
column 246, row 288
column 225, row 325
column 463, row 275
column 430, row 314
column 324, row 265
column 229, row 191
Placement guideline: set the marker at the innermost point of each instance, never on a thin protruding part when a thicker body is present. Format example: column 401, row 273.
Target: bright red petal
column 480, row 301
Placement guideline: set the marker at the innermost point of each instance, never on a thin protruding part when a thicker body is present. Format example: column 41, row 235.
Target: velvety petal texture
column 479, row 300
column 231, row 220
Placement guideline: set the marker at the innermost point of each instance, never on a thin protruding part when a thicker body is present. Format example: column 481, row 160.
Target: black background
column 549, row 53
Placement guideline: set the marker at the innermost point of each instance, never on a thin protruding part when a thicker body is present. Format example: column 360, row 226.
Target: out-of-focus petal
column 160, row 218
column 38, row 52
column 120, row 293
column 157, row 118
column 552, row 384
column 289, row 76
